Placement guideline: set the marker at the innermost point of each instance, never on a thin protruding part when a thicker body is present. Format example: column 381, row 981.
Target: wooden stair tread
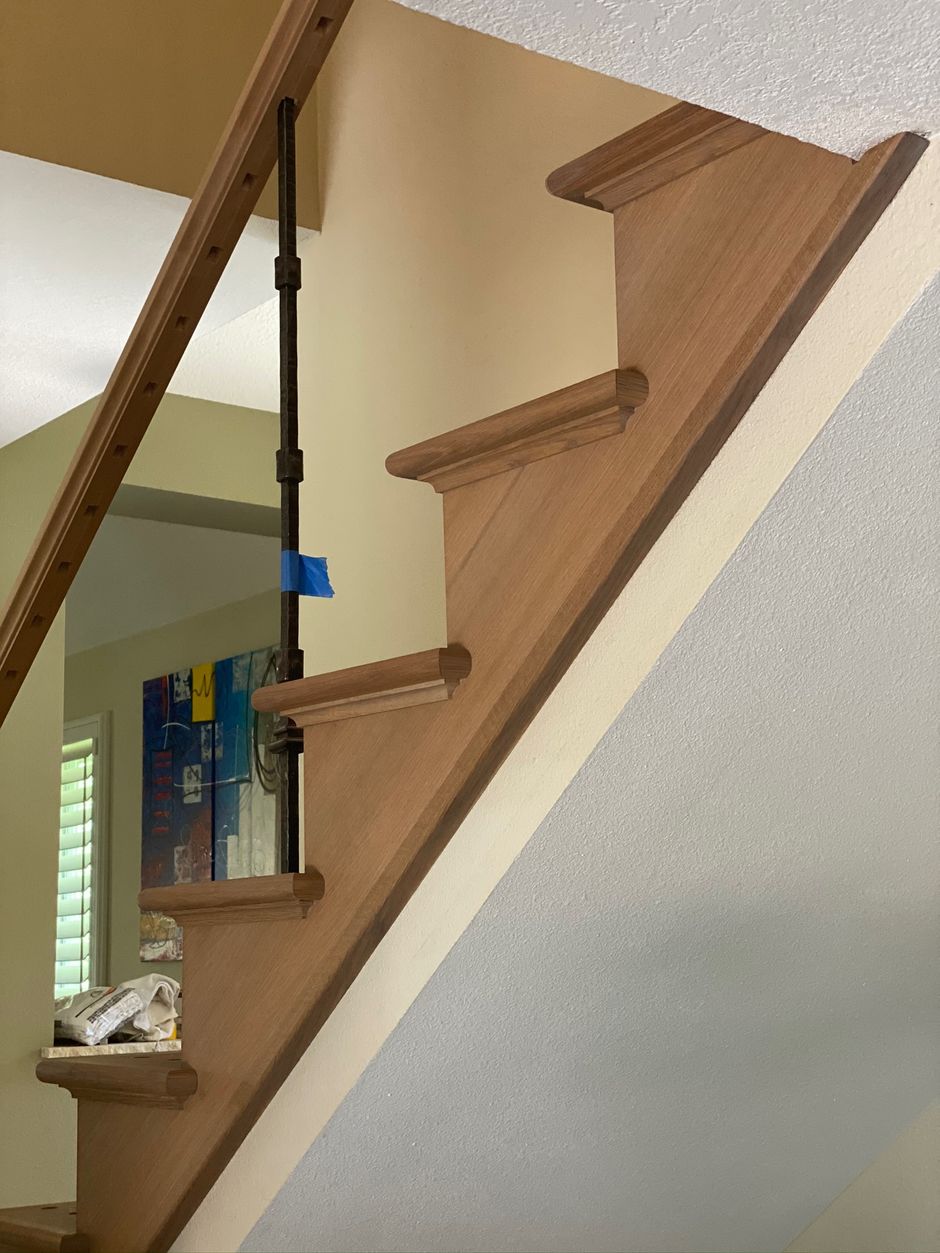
column 157, row 1080
column 265, row 898
column 575, row 415
column 665, row 147
column 416, row 679
column 41, row 1229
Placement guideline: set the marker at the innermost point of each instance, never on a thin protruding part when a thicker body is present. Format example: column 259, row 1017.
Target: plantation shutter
column 79, row 821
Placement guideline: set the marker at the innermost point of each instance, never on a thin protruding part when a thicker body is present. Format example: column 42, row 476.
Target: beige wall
column 38, row 1143
column 447, row 284
column 893, row 1206
column 110, row 678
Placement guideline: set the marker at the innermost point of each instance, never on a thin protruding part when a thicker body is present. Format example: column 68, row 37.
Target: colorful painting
column 209, row 784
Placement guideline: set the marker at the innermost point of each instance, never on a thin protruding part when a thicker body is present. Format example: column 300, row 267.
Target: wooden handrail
column 287, row 65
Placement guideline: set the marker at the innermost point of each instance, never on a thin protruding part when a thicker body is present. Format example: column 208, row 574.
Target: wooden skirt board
column 717, row 272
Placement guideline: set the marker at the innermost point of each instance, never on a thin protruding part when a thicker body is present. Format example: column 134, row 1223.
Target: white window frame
column 97, row 728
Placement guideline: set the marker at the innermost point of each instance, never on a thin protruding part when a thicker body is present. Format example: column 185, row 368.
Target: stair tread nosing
column 568, row 418
column 41, row 1229
column 416, row 679
column 260, row 898
column 159, row 1079
column 665, row 147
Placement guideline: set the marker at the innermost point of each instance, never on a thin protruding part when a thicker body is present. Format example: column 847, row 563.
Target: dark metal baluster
column 288, row 741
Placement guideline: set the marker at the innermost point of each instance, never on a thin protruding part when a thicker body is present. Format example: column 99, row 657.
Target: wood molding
column 41, row 1229
column 669, row 145
column 717, row 272
column 418, row 679
column 266, row 898
column 288, row 65
column 160, row 1079
column 568, row 418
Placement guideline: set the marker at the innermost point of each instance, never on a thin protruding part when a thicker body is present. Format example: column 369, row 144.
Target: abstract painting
column 209, row 784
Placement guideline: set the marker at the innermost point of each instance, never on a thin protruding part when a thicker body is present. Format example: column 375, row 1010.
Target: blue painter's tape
column 305, row 575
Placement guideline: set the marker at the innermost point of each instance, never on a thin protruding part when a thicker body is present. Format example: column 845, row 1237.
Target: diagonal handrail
column 288, row 65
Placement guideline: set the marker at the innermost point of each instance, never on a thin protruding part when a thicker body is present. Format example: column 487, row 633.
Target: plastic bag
column 90, row 1017
column 158, row 1015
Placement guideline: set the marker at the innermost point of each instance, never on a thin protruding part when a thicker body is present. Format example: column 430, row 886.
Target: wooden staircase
column 727, row 237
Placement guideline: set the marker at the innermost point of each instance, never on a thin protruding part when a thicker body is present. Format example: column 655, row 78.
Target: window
column 81, row 901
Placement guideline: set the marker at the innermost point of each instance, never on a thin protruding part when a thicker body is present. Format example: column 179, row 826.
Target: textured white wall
column 843, row 74
column 703, row 998
column 894, row 1204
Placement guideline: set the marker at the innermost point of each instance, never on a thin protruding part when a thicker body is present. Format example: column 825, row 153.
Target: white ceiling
column 78, row 254
column 705, row 995
column 843, row 74
column 141, row 574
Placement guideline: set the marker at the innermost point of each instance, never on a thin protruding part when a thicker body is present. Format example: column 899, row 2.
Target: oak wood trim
column 416, row 679
column 159, row 1080
column 42, row 1229
column 567, row 418
column 654, row 153
column 265, row 898
column 288, row 65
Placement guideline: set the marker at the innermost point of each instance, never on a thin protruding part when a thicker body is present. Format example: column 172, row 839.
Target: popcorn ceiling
column 843, row 74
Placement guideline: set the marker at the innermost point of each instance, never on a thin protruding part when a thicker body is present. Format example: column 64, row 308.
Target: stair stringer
column 717, row 273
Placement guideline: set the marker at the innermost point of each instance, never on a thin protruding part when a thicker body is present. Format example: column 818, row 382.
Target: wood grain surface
column 158, row 1079
column 261, row 898
column 565, row 419
column 41, row 1229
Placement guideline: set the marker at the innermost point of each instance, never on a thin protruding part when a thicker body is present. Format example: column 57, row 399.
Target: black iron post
column 288, row 740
